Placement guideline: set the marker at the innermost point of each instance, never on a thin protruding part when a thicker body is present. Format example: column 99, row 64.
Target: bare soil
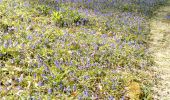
column 160, row 47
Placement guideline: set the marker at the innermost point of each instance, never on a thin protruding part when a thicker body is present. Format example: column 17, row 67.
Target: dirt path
column 160, row 46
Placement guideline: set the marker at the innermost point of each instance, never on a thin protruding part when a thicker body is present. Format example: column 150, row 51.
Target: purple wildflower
column 40, row 83
column 29, row 37
column 46, row 68
column 85, row 92
column 168, row 17
column 80, row 97
column 65, row 89
column 20, row 78
column 86, row 77
column 123, row 98
column 111, row 98
column 74, row 87
column 44, row 77
column 35, row 75
column 50, row 91
column 19, row 87
column 57, row 65
column 61, row 86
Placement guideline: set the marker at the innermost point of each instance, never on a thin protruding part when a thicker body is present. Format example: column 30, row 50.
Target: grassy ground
column 160, row 46
column 72, row 53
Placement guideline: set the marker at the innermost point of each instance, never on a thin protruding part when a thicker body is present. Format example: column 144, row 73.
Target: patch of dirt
column 160, row 47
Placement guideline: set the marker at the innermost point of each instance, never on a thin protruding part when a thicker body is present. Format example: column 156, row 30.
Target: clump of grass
column 68, row 17
column 43, row 9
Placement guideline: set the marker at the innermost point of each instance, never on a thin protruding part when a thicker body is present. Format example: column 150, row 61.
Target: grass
column 46, row 54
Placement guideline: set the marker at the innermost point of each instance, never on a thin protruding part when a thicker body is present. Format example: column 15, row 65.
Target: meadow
column 76, row 49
